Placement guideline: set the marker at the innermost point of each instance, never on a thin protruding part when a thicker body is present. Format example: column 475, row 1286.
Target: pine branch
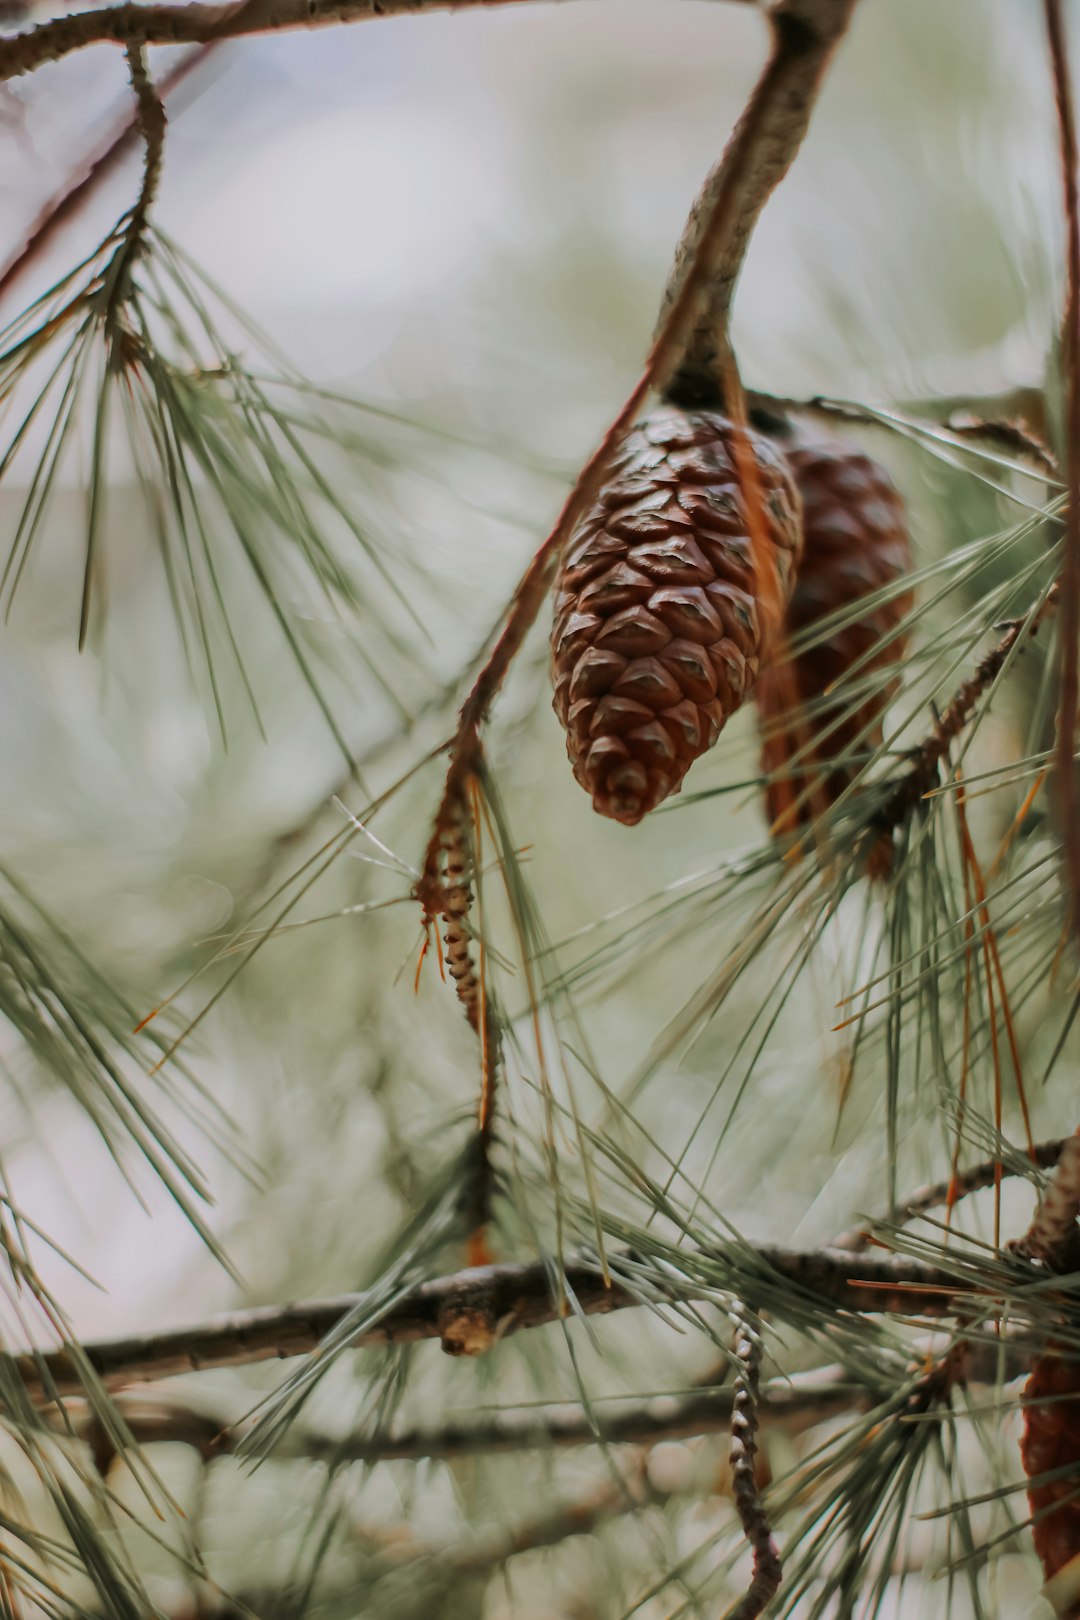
column 1023, row 404
column 516, row 1296
column 788, row 1405
column 922, row 772
column 1014, row 422
column 151, row 125
column 150, row 122
column 792, row 1404
column 976, row 1178
column 1070, row 360
column 759, row 154
column 1007, row 433
column 199, row 24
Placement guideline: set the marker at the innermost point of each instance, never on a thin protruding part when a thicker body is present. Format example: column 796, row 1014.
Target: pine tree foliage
column 730, row 1159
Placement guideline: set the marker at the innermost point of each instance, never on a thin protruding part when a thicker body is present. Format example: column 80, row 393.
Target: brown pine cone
column 670, row 588
column 1051, row 1440
column 855, row 542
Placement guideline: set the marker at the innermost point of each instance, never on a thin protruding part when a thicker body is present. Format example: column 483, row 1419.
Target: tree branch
column 199, row 24
column 976, row 1178
column 516, row 1296
column 1013, row 421
column 921, row 774
column 1023, row 404
column 789, row 1404
column 792, row 1404
column 759, row 154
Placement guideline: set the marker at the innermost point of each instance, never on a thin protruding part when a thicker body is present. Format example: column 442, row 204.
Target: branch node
column 468, row 1325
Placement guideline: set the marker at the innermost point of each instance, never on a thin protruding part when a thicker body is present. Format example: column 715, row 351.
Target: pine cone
column 1051, row 1440
column 669, row 591
column 855, row 542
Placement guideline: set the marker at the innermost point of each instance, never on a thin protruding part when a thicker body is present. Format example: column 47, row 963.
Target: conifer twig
column 150, row 121
column 1070, row 361
column 1009, row 434
column 1023, row 405
column 447, row 899
column 518, row 1296
column 198, row 24
column 761, row 150
column 744, row 1482
column 921, row 773
column 760, row 153
column 568, row 1519
column 978, row 421
column 976, row 1178
column 791, row 1404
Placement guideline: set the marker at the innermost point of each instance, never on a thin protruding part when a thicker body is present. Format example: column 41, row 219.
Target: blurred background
column 465, row 223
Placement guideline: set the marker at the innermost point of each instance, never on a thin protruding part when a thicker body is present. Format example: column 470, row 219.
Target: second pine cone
column 855, row 543
column 671, row 589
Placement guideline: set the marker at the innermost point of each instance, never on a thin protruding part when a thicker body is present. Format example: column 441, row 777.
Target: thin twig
column 976, row 1178
column 91, row 174
column 1070, row 363
column 785, row 1407
column 1052, row 1234
column 1023, row 404
column 517, row 1296
column 1013, row 436
column 921, row 774
column 199, row 24
column 791, row 1405
column 1014, row 433
column 767, row 1570
column 150, row 121
column 759, row 154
